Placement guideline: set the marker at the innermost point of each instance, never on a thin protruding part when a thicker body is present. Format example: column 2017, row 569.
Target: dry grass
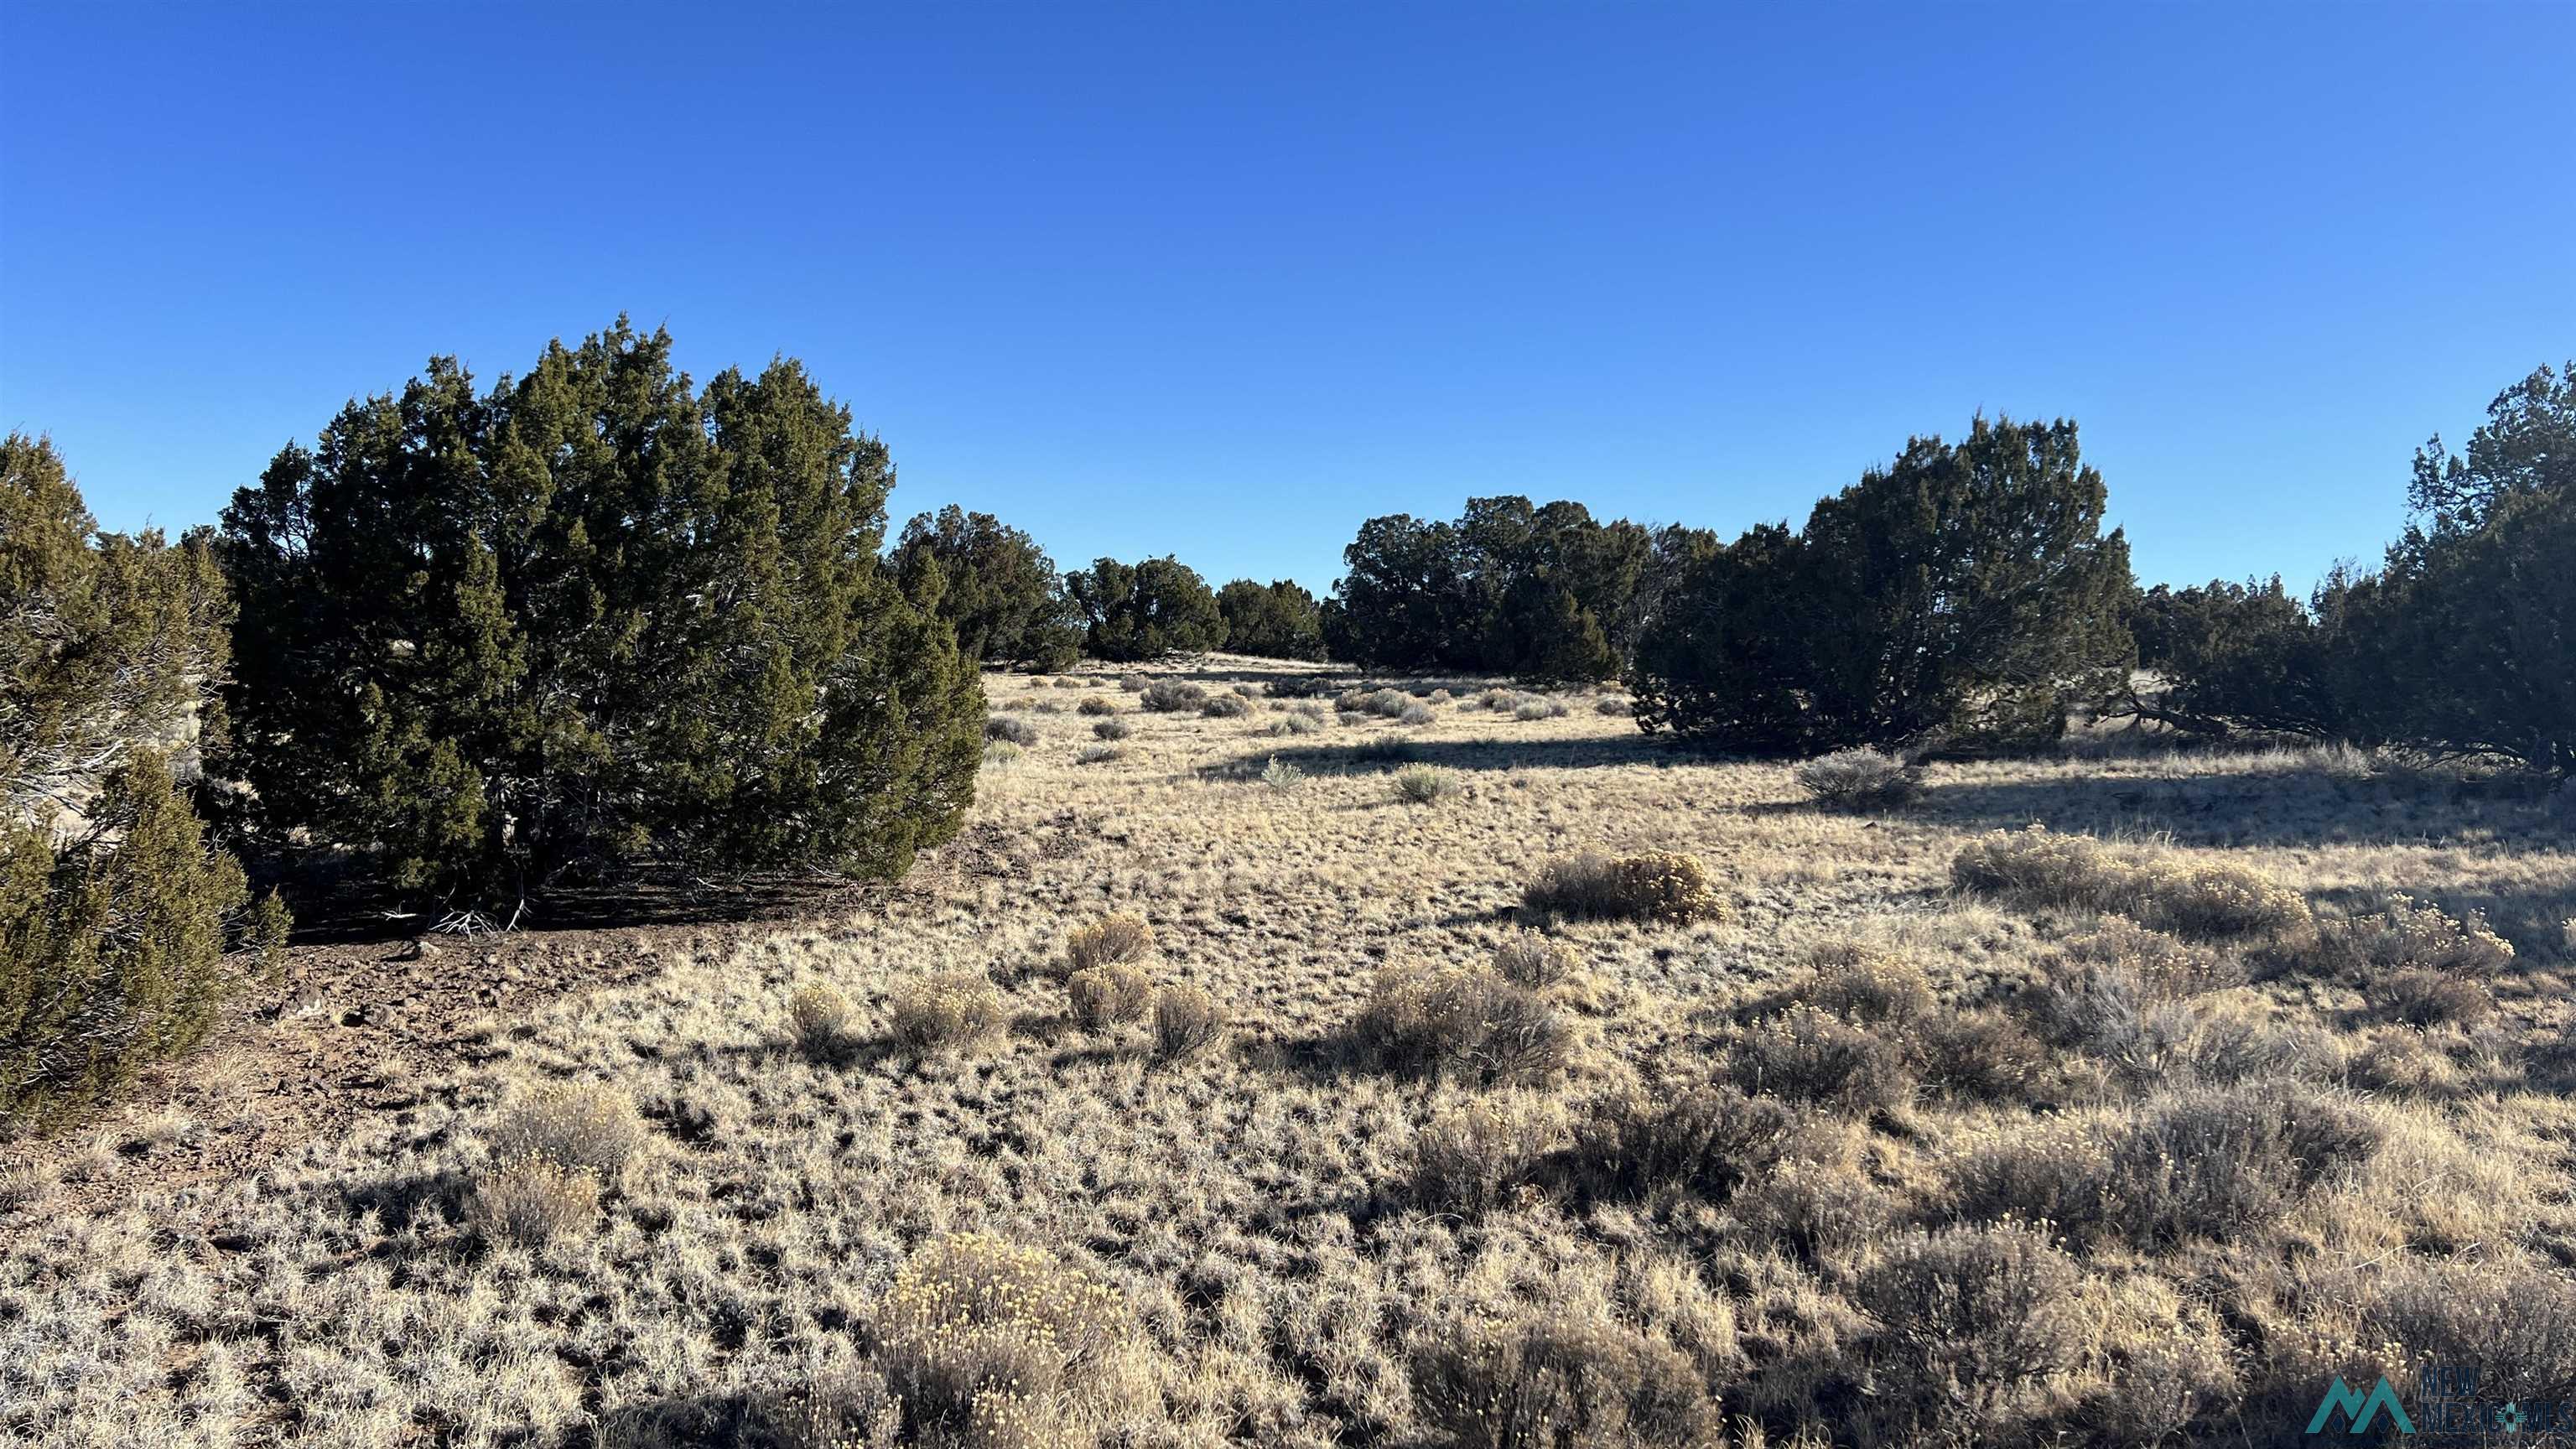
column 1777, row 1176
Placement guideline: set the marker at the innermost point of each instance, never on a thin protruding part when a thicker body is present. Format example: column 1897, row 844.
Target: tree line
column 480, row 643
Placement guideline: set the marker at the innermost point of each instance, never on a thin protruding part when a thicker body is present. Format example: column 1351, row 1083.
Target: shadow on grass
column 1429, row 748
column 2298, row 806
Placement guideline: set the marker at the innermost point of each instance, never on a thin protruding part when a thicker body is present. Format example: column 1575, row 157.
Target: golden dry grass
column 1772, row 1182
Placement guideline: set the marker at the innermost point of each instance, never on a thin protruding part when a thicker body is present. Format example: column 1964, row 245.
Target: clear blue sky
column 1222, row 279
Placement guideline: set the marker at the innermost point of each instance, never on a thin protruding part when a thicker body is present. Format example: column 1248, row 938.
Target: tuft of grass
column 531, row 1199
column 1559, row 1379
column 987, row 1343
column 1109, row 993
column 1416, row 714
column 944, row 1012
column 1859, row 779
column 1172, row 696
column 1659, row 886
column 1282, row 777
column 1001, row 754
column 1533, row 962
column 819, row 1023
column 1481, row 1154
column 1424, row 785
column 573, row 1124
column 1296, row 722
column 1463, row 1024
column 1095, row 754
column 1187, row 1023
column 1226, row 706
column 1121, row 937
column 2204, row 899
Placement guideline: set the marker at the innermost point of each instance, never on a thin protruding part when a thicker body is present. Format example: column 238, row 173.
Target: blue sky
column 1222, row 279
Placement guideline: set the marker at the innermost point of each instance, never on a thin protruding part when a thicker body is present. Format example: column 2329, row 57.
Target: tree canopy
column 1147, row 610
column 1276, row 620
column 590, row 617
column 994, row 586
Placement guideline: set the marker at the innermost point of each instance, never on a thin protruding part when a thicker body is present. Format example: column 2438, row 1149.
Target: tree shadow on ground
column 1378, row 753
column 2296, row 806
column 336, row 905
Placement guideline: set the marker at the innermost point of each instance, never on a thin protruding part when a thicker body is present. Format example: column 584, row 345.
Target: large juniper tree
column 588, row 618
column 1966, row 592
column 1145, row 610
column 996, row 588
column 1276, row 620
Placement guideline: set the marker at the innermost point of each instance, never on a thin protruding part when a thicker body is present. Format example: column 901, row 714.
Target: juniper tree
column 1966, row 592
column 589, row 618
column 115, row 916
column 1277, row 620
column 999, row 590
column 1145, row 610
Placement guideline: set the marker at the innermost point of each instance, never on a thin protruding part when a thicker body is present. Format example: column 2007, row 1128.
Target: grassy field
column 2248, row 1071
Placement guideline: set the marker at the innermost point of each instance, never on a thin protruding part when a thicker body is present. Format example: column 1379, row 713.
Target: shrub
column 1532, row 961
column 952, row 1009
column 1014, row 731
column 1112, row 729
column 1225, row 706
column 1980, row 1055
column 975, row 1330
column 1859, row 778
column 1465, row 1024
column 1095, row 754
column 1097, row 704
column 1536, row 709
column 2430, row 998
column 2215, row 1161
column 1281, row 777
column 1296, row 723
column 1970, row 1320
column 1068, row 682
column 818, row 1023
column 1122, row 937
column 1499, row 701
column 1659, row 886
column 857, row 1409
column 1423, row 785
column 1109, row 993
column 1563, row 1380
column 1860, row 983
column 2404, row 937
column 2190, row 898
column 573, row 1124
column 1173, row 696
column 1187, row 1023
column 523, row 703
column 1614, row 704
column 1135, row 683
column 532, row 1199
column 1481, row 1154
column 1416, row 714
column 1823, row 1212
column 1382, row 751
column 1807, row 1055
column 113, row 947
column 1386, row 703
column 1708, row 1140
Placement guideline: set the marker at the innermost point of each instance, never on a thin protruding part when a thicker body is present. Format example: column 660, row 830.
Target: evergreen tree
column 587, row 619
column 1001, row 592
column 1545, row 593
column 1144, row 611
column 115, row 917
column 1964, row 593
column 1277, row 620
